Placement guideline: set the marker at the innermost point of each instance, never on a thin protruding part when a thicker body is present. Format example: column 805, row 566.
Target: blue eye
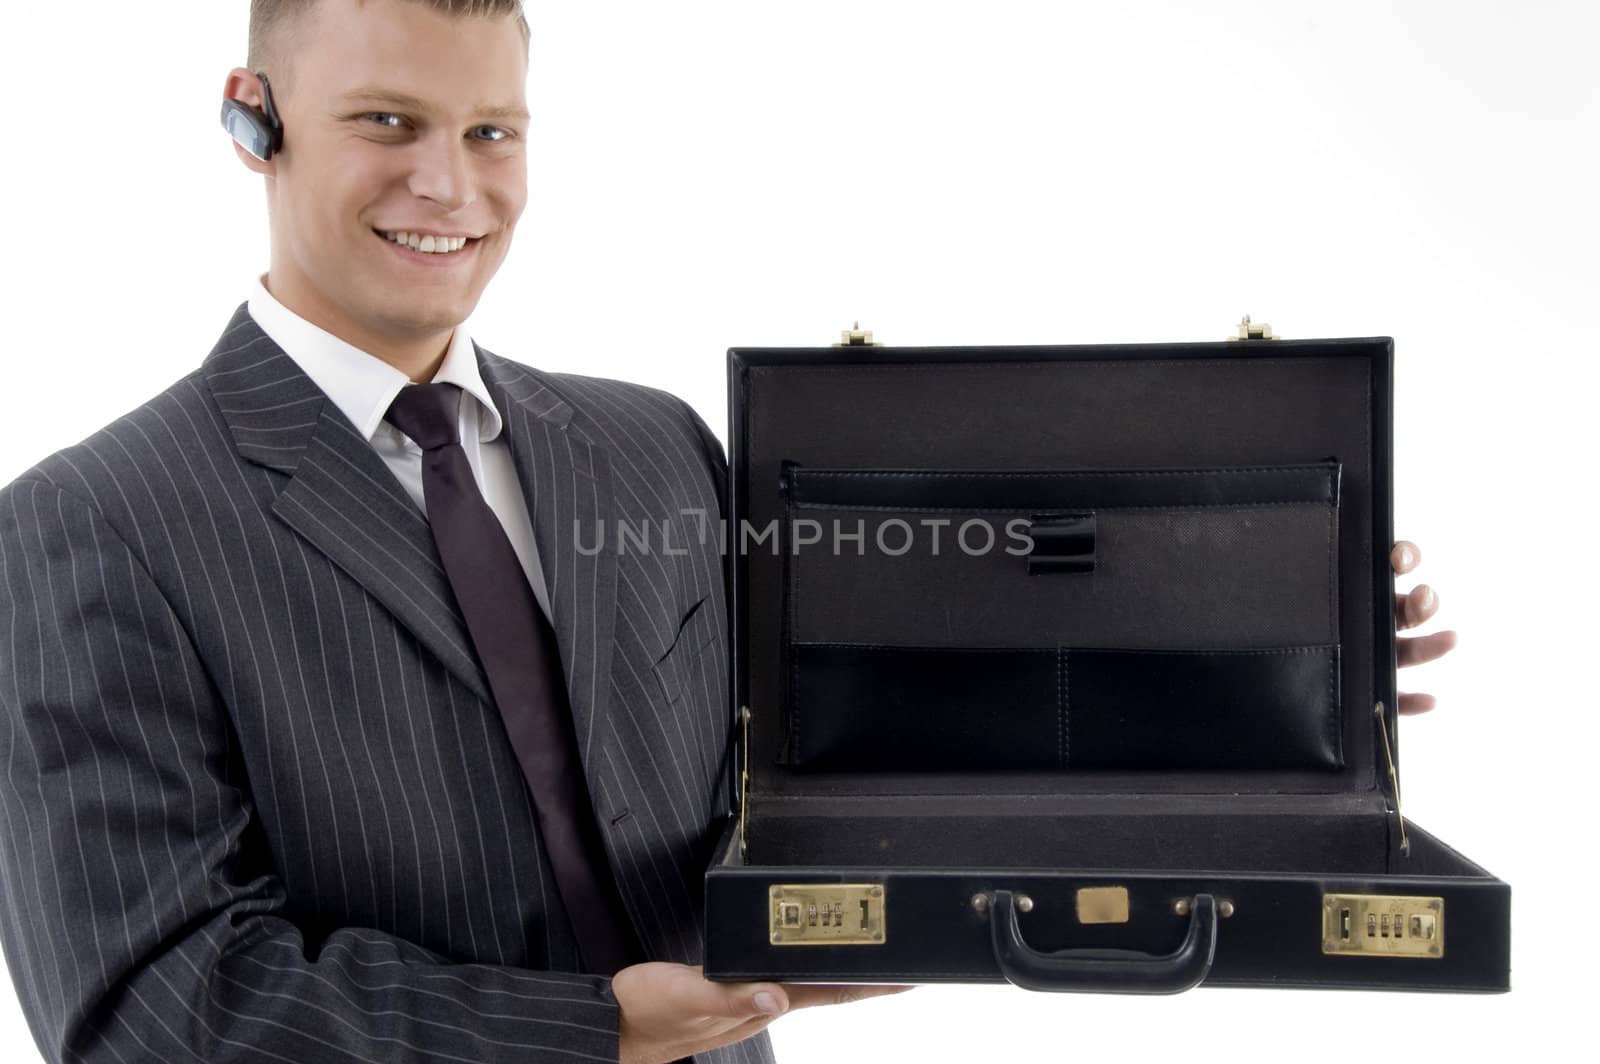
column 378, row 115
column 503, row 134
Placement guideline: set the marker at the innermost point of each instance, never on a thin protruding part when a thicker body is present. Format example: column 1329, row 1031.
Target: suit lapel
column 341, row 497
column 566, row 479
column 345, row 502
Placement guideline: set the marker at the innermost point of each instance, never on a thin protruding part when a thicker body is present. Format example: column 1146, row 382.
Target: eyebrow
column 406, row 101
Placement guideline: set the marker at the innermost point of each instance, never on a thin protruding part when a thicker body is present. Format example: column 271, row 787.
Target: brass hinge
column 855, row 336
column 1247, row 331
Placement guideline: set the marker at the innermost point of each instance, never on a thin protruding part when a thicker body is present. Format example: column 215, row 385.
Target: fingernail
column 1428, row 598
column 1408, row 556
column 765, row 1002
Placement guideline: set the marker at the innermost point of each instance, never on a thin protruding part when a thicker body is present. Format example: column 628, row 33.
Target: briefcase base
column 1112, row 930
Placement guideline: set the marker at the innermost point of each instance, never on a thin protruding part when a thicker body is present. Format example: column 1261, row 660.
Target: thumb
column 743, row 1001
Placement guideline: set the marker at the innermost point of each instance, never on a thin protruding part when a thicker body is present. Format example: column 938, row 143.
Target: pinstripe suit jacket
column 258, row 805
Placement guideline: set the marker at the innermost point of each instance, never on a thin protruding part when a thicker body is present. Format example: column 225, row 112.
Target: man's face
column 397, row 119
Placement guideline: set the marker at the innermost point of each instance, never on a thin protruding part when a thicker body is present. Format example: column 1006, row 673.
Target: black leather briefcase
column 1075, row 667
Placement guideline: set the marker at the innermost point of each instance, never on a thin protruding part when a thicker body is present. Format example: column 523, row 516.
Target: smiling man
column 325, row 741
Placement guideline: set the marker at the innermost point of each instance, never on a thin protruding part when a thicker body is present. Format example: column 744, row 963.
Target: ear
column 244, row 86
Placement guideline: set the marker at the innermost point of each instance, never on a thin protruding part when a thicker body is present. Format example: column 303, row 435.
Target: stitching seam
column 1007, row 474
column 981, row 508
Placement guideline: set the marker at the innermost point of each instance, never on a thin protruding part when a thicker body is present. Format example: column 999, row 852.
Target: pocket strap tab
column 1062, row 543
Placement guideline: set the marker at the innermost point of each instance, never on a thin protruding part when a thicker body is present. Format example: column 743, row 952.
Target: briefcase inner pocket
column 1067, row 619
column 858, row 707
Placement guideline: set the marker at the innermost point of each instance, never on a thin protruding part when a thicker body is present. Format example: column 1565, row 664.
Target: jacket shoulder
column 134, row 451
column 582, row 391
column 617, row 409
column 649, row 431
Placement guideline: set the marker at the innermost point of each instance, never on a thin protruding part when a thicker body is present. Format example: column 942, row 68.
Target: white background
column 711, row 174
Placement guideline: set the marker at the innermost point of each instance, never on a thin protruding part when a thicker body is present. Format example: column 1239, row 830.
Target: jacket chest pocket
column 677, row 667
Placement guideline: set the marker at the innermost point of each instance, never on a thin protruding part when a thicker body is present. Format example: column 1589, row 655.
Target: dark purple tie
column 518, row 650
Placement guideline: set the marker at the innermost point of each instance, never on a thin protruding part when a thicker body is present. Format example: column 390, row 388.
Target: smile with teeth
column 431, row 245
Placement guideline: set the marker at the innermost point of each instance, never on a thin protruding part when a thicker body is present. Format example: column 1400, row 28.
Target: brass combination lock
column 1382, row 925
column 827, row 914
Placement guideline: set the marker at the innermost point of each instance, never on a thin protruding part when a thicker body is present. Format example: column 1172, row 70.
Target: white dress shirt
column 362, row 386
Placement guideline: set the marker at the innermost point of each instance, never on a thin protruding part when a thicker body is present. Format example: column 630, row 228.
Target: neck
column 418, row 356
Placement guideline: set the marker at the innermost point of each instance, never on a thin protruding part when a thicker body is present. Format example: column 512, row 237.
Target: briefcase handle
column 1115, row 971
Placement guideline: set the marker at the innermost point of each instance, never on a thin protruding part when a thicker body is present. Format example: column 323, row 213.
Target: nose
column 443, row 173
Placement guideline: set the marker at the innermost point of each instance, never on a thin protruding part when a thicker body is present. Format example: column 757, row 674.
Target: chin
column 412, row 317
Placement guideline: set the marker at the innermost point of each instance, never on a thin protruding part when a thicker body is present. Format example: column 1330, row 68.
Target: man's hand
column 1410, row 610
column 671, row 1010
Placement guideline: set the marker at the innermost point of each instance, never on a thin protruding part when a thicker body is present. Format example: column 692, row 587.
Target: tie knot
column 428, row 413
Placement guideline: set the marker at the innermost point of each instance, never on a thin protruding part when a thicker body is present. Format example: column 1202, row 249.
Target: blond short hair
column 270, row 19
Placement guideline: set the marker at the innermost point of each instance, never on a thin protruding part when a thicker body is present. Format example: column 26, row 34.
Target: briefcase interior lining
column 1346, row 836
column 923, row 630
column 1214, row 534
column 1193, row 407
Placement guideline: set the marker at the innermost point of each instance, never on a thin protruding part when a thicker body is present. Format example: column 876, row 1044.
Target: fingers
column 741, row 1032
column 1414, row 650
column 1411, row 609
column 669, row 1010
column 727, row 1037
column 1414, row 607
column 1411, row 704
column 737, row 1001
column 684, row 991
column 802, row 996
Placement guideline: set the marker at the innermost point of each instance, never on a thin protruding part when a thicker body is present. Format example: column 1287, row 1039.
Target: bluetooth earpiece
column 259, row 132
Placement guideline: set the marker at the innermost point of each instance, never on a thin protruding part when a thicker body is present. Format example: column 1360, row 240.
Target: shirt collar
column 361, row 385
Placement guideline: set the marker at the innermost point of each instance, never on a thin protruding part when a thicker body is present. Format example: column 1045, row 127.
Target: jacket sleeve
column 140, row 918
column 716, row 460
column 716, row 466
